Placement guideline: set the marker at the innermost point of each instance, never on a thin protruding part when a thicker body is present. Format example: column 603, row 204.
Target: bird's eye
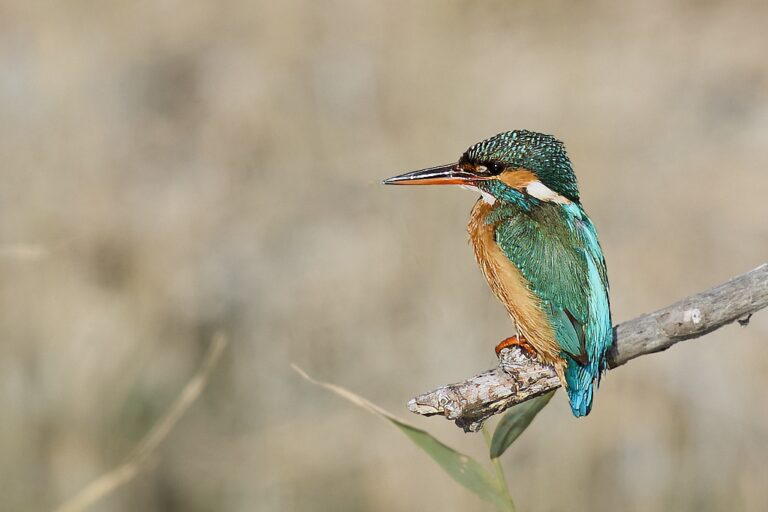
column 495, row 168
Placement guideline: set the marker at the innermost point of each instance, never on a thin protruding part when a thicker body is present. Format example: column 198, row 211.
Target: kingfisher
column 539, row 252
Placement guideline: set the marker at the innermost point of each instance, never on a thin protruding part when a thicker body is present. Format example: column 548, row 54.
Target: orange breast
column 509, row 285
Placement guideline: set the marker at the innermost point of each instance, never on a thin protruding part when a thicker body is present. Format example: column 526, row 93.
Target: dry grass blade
column 352, row 397
column 23, row 252
column 141, row 454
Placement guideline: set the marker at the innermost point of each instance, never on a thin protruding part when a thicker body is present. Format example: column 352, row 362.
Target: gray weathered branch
column 520, row 377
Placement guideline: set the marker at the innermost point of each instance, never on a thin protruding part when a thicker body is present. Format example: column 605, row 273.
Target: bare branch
column 520, row 377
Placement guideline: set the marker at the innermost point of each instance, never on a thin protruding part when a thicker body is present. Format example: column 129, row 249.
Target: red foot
column 515, row 341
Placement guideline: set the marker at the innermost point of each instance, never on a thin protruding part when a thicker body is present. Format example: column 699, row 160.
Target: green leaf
column 515, row 421
column 462, row 468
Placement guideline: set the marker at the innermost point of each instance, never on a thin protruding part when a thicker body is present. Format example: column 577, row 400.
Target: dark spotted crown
column 542, row 154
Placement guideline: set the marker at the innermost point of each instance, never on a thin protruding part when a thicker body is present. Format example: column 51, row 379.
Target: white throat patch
column 488, row 198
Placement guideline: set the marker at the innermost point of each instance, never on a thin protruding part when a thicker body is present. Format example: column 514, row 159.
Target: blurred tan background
column 171, row 169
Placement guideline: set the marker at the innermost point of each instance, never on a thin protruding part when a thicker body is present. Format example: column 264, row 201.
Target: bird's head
column 507, row 164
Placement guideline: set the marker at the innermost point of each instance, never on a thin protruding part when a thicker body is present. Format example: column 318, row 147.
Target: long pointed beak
column 450, row 174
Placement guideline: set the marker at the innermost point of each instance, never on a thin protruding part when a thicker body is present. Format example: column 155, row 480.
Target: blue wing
column 556, row 249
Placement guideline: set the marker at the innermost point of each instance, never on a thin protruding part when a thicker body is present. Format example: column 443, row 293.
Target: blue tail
column 581, row 383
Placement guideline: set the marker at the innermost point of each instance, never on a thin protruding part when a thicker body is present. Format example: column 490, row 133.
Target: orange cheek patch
column 517, row 178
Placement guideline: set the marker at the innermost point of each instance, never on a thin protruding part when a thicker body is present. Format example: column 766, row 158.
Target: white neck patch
column 540, row 191
column 488, row 198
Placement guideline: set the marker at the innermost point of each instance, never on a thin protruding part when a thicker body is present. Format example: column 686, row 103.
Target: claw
column 515, row 341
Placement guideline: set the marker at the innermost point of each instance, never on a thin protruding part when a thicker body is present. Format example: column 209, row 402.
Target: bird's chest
column 503, row 277
column 508, row 283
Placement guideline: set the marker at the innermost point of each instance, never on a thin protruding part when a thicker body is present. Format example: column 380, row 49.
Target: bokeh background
column 172, row 169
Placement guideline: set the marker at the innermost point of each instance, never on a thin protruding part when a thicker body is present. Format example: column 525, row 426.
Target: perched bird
column 538, row 250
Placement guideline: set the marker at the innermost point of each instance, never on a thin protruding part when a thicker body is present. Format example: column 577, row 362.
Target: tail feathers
column 581, row 383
